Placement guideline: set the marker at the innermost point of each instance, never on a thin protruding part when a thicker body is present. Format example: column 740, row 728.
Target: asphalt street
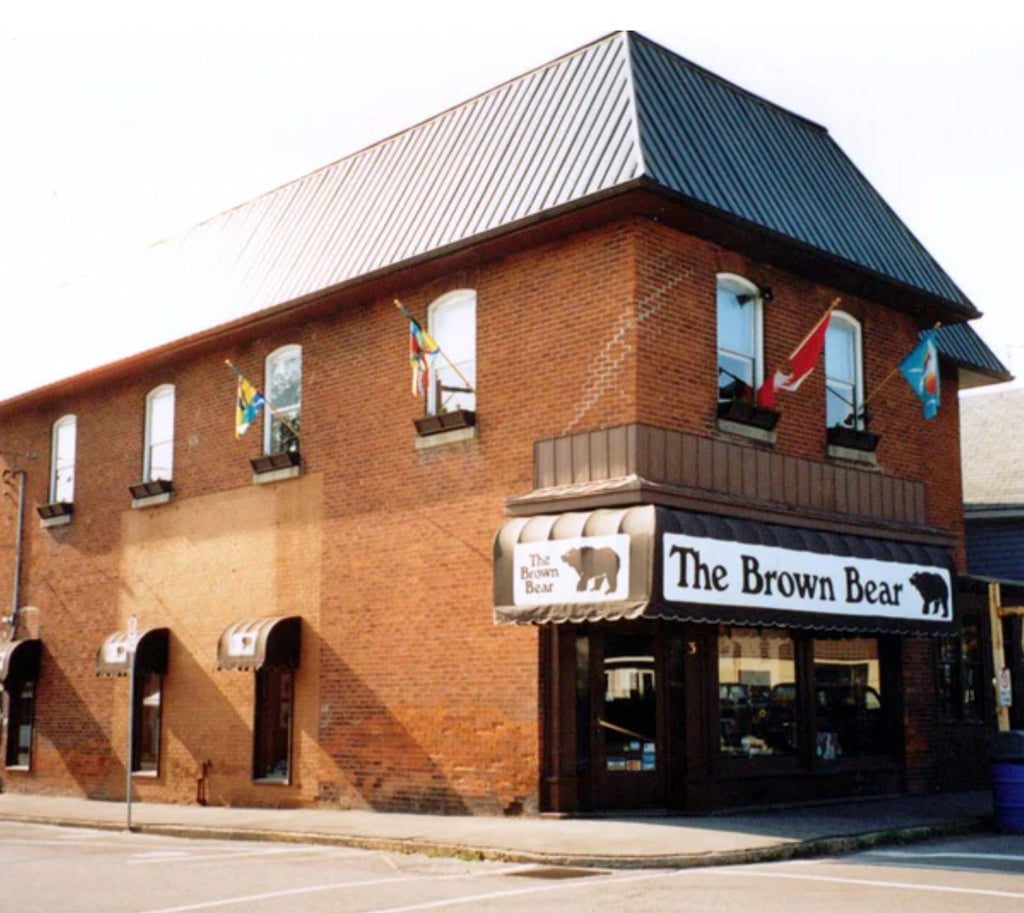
column 46, row 869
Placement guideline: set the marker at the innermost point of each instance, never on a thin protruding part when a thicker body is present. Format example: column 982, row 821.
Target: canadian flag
column 801, row 363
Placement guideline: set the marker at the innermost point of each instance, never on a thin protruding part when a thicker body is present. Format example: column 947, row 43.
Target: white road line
column 427, row 905
column 863, row 882
column 910, row 854
column 291, row 892
column 149, row 858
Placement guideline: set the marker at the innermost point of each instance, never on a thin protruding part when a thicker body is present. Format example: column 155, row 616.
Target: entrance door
column 627, row 767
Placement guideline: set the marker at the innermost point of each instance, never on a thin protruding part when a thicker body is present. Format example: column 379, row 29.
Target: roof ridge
column 405, row 131
column 725, row 83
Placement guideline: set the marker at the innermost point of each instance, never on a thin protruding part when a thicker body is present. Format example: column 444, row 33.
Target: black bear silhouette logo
column 934, row 592
column 594, row 565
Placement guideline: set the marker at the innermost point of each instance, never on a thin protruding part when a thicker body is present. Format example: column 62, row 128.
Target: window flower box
column 275, row 461
column 151, row 489
column 444, row 421
column 744, row 413
column 852, row 438
column 56, row 509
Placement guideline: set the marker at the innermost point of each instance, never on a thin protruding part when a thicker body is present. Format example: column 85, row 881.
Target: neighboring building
column 700, row 601
column 994, row 517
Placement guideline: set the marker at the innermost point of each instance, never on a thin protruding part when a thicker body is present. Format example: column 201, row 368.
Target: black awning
column 258, row 642
column 19, row 660
column 112, row 658
column 652, row 562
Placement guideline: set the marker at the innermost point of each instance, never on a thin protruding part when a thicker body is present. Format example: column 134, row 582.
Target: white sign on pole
column 1005, row 688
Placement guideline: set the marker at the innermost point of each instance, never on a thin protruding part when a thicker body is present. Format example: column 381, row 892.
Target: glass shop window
column 21, row 714
column 848, row 709
column 757, row 705
column 961, row 667
column 273, row 725
column 146, row 725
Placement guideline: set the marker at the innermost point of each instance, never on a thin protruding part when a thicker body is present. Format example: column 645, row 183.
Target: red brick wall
column 408, row 695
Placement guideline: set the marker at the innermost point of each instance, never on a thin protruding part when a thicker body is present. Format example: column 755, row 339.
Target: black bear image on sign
column 594, row 565
column 934, row 592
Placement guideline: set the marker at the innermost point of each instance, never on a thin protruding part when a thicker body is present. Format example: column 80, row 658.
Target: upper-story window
column 283, row 391
column 62, row 462
column 844, row 387
column 452, row 324
column 158, row 458
column 740, row 366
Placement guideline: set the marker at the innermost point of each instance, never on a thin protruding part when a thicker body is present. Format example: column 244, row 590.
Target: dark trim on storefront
column 643, row 595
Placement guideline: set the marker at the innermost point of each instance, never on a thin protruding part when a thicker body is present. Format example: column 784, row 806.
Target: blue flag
column 921, row 369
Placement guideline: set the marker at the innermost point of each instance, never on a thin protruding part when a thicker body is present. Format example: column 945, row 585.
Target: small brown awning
column 150, row 653
column 259, row 642
column 653, row 562
column 19, row 660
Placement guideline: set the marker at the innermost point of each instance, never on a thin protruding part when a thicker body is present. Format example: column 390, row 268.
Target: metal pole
column 131, row 642
column 131, row 739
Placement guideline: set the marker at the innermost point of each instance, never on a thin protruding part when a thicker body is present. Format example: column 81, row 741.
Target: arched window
column 740, row 367
column 844, row 387
column 283, row 391
column 62, row 462
column 452, row 324
column 158, row 456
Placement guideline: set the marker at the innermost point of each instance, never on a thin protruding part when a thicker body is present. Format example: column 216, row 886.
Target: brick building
column 587, row 569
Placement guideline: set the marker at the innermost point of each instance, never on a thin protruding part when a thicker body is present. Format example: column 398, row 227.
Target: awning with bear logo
column 654, row 562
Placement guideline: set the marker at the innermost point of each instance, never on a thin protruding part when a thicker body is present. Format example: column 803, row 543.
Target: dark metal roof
column 722, row 146
column 600, row 118
column 966, row 349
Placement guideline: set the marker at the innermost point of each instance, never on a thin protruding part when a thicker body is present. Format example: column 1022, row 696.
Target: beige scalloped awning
column 258, row 642
column 19, row 660
column 113, row 658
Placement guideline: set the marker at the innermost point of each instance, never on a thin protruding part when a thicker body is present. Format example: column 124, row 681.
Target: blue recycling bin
column 1008, row 781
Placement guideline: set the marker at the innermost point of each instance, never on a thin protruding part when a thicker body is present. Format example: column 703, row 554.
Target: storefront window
column 961, row 695
column 756, row 693
column 629, row 719
column 21, row 716
column 273, row 727
column 146, row 726
column 848, row 712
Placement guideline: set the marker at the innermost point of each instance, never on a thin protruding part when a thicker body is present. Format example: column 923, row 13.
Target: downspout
column 18, row 544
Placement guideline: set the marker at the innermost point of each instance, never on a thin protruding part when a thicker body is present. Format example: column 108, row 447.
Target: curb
column 803, row 849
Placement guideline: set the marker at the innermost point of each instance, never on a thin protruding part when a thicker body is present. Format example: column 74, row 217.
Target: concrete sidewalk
column 610, row 842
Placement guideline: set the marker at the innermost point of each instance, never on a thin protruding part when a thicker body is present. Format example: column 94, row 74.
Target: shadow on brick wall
column 380, row 764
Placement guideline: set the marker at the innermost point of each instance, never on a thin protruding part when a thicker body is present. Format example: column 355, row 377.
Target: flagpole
column 835, row 303
column 440, row 351
column 266, row 404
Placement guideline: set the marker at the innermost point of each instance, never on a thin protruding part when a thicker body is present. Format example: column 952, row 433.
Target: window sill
column 272, row 781
column 276, row 467
column 18, row 768
column 444, row 422
column 148, row 494
column 852, row 439
column 851, row 455
column 59, row 513
column 739, row 429
column 446, row 438
column 145, row 774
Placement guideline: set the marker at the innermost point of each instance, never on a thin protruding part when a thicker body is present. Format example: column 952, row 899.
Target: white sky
column 123, row 123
